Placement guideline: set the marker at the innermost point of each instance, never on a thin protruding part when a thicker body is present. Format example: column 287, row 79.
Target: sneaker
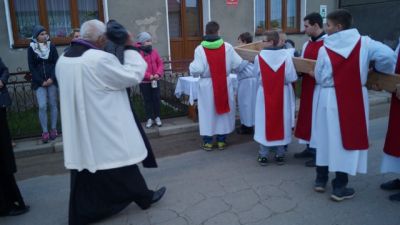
column 45, row 137
column 391, row 185
column 158, row 121
column 221, row 145
column 340, row 194
column 306, row 153
column 53, row 134
column 395, row 197
column 149, row 123
column 263, row 161
column 207, row 146
column 280, row 160
column 320, row 186
column 310, row 163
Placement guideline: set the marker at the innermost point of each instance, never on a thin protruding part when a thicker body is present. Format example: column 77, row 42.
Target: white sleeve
column 304, row 49
column 256, row 68
column 384, row 57
column 323, row 69
column 290, row 71
column 116, row 76
column 197, row 67
column 236, row 59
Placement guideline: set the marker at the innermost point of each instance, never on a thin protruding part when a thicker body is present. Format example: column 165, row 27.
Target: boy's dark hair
column 272, row 35
column 246, row 37
column 212, row 27
column 342, row 17
column 314, row 18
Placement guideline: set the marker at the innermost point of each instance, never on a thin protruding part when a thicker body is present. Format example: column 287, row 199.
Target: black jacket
column 42, row 69
column 5, row 99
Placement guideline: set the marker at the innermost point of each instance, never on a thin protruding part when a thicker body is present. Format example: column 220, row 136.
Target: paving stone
column 204, row 210
column 223, row 219
column 257, row 213
column 279, row 205
column 242, row 200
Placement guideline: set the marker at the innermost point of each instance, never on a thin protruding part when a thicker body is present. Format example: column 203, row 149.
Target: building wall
column 149, row 16
column 376, row 18
column 233, row 20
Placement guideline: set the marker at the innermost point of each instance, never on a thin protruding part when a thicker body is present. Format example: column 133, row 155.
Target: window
column 277, row 14
column 59, row 17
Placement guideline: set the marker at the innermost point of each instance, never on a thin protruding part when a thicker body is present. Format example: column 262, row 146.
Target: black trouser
column 96, row 196
column 340, row 180
column 9, row 193
column 152, row 100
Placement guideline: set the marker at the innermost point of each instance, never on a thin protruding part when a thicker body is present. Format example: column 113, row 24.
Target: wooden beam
column 375, row 80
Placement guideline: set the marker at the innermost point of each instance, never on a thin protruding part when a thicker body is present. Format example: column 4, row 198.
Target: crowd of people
column 93, row 76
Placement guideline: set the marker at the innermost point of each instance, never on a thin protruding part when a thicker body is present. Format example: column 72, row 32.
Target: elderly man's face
column 101, row 41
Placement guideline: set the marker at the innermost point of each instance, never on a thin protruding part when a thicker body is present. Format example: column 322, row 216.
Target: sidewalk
column 230, row 188
column 33, row 146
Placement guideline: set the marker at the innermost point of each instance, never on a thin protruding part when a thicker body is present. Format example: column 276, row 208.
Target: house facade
column 177, row 26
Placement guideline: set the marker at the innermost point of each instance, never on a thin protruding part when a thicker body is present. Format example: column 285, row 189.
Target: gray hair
column 92, row 30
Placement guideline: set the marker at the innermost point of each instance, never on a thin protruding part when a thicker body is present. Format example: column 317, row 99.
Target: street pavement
column 229, row 188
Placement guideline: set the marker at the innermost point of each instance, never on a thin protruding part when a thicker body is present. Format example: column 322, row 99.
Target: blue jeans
column 264, row 150
column 42, row 93
column 209, row 139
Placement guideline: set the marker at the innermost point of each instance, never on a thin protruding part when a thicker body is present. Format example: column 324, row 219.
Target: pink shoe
column 45, row 137
column 53, row 134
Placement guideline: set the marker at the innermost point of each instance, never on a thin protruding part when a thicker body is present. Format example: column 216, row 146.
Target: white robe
column 99, row 131
column 330, row 151
column 391, row 163
column 316, row 91
column 275, row 58
column 210, row 123
column 246, row 94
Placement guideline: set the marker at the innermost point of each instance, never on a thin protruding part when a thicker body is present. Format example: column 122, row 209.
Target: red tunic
column 348, row 87
column 392, row 143
column 273, row 85
column 217, row 62
column 304, row 118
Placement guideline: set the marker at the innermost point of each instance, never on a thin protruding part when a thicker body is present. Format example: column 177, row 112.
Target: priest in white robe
column 102, row 143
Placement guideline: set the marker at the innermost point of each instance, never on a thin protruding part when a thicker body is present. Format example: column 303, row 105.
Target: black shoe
column 17, row 210
column 280, row 160
column 391, row 185
column 395, row 197
column 340, row 194
column 306, row 153
column 310, row 163
column 263, row 161
column 158, row 195
column 320, row 186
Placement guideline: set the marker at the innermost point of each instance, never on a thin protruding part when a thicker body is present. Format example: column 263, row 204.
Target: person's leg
column 156, row 105
column 263, row 155
column 340, row 190
column 207, row 143
column 306, row 153
column 322, row 178
column 145, row 89
column 41, row 96
column 53, row 93
column 280, row 154
column 221, row 141
column 156, row 101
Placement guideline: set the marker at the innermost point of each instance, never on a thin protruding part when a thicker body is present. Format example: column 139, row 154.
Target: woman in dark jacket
column 42, row 58
column 11, row 202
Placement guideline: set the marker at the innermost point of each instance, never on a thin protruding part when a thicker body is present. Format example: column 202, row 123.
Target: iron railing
column 23, row 113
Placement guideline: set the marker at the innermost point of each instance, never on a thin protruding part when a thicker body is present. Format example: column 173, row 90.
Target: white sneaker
column 158, row 121
column 149, row 123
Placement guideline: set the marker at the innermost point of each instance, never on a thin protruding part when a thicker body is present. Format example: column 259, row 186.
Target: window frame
column 43, row 19
column 267, row 19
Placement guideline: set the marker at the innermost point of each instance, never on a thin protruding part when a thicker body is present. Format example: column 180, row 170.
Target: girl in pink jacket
column 150, row 86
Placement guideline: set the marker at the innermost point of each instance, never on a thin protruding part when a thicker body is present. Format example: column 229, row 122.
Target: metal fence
column 23, row 113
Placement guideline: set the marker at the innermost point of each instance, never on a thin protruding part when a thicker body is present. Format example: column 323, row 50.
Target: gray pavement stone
column 257, row 213
column 205, row 210
column 229, row 187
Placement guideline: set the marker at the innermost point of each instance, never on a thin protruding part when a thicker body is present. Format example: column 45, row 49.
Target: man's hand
column 156, row 76
column 151, row 77
column 311, row 73
column 49, row 82
column 375, row 87
column 1, row 84
column 44, row 84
